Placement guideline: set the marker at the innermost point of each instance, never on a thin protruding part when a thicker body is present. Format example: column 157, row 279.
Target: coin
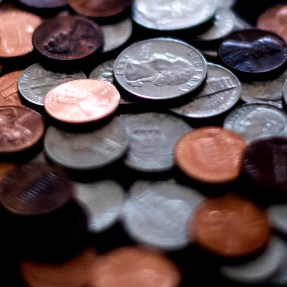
column 160, row 68
column 82, row 101
column 44, row 3
column 277, row 214
column 230, row 226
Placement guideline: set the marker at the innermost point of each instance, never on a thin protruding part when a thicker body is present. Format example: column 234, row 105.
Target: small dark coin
column 35, row 188
column 264, row 161
column 68, row 38
column 102, row 202
column 221, row 91
column 104, row 72
column 160, row 69
column 152, row 137
column 158, row 214
column 87, row 150
column 35, row 82
column 44, row 3
column 255, row 121
column 172, row 15
column 253, row 51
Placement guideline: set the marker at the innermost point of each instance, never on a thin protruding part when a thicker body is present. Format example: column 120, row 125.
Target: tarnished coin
column 68, row 38
column 158, row 214
column 35, row 188
column 82, row 101
column 160, row 68
column 44, row 3
column 152, row 137
column 221, row 91
column 20, row 128
column 210, row 154
column 16, row 30
column 255, row 121
column 102, row 202
column 35, row 82
column 87, row 150
column 104, row 72
column 230, row 226
column 172, row 14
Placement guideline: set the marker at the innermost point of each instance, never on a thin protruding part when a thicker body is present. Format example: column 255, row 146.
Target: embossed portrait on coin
column 159, row 69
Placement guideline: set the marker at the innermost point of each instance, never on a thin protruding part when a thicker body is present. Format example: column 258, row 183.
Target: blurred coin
column 157, row 214
column 277, row 214
column 152, row 137
column 160, row 68
column 225, row 3
column 210, row 154
column 82, row 101
column 255, row 121
column 35, row 82
column 20, row 128
column 16, row 29
column 172, row 15
column 44, row 3
column 87, row 150
column 221, row 91
column 285, row 90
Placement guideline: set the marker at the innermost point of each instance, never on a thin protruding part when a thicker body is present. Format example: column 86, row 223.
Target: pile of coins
column 143, row 143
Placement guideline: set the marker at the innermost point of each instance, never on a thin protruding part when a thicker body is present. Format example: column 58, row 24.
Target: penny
column 44, row 3
column 67, row 38
column 35, row 188
column 137, row 266
column 221, row 91
column 20, row 128
column 160, row 69
column 157, row 214
column 274, row 19
column 87, row 150
column 16, row 30
column 9, row 93
column 253, row 51
column 72, row 273
column 270, row 170
column 102, row 202
column 36, row 81
column 152, row 137
column 99, row 8
column 230, row 226
column 82, row 101
column 210, row 154
column 173, row 14
column 277, row 214
column 255, row 121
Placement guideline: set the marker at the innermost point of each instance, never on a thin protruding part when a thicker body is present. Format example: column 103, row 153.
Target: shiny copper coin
column 16, row 30
column 230, row 226
column 274, row 19
column 20, row 128
column 74, row 273
column 99, row 8
column 9, row 94
column 82, row 101
column 35, row 188
column 210, row 154
column 134, row 266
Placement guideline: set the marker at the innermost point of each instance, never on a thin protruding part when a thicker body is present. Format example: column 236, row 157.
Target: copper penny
column 82, row 101
column 9, row 94
column 274, row 19
column 230, row 226
column 99, row 8
column 210, row 154
column 16, row 30
column 20, row 128
column 134, row 266
column 73, row 273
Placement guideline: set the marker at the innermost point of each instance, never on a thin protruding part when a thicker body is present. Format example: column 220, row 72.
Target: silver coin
column 160, row 68
column 254, row 121
column 277, row 215
column 158, row 215
column 152, row 137
column 102, row 201
column 104, row 72
column 260, row 269
column 36, row 81
column 87, row 150
column 221, row 91
column 172, row 14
